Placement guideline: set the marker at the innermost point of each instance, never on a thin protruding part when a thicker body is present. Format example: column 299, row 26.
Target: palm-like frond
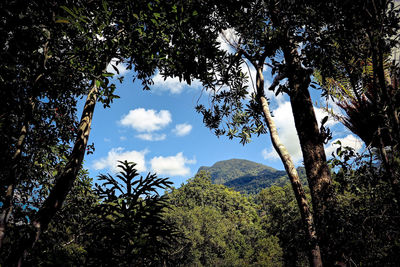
column 358, row 98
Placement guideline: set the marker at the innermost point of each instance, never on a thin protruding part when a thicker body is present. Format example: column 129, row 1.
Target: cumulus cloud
column 172, row 165
column 172, row 85
column 144, row 120
column 115, row 154
column 270, row 154
column 284, row 121
column 287, row 132
column 320, row 114
column 151, row 137
column 182, row 129
column 350, row 141
column 278, row 99
column 120, row 66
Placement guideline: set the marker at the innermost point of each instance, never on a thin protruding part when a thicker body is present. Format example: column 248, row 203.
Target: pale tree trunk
column 306, row 215
column 64, row 180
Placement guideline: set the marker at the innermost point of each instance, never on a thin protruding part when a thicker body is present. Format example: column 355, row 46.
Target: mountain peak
column 244, row 175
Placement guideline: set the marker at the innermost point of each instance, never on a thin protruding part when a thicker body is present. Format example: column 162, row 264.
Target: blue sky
column 161, row 131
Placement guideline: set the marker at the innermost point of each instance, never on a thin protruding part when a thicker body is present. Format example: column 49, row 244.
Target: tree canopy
column 56, row 52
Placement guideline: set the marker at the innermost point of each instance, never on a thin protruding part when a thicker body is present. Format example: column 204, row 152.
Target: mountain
column 247, row 176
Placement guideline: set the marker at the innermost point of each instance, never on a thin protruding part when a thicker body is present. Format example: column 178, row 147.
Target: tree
column 96, row 32
column 130, row 228
column 360, row 78
column 81, row 55
column 119, row 222
column 264, row 29
column 294, row 39
column 366, row 214
column 68, row 238
column 93, row 33
column 37, row 112
column 220, row 227
column 282, row 219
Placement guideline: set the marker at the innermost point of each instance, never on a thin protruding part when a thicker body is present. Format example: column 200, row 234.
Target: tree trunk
column 7, row 207
column 385, row 98
column 64, row 180
column 306, row 216
column 312, row 144
column 8, row 201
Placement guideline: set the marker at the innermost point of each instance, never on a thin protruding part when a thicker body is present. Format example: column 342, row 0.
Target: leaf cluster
column 130, row 221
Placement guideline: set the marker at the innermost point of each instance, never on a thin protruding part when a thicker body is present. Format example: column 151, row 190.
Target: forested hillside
column 220, row 227
column 248, row 177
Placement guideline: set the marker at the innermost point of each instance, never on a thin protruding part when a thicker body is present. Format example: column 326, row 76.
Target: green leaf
column 69, row 11
column 154, row 21
column 63, row 21
column 105, row 7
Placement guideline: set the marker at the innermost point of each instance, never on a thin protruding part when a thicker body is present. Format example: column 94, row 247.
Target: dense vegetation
column 54, row 52
column 220, row 227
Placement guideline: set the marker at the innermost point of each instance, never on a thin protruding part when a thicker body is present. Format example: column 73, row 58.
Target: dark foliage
column 120, row 222
column 367, row 214
column 130, row 229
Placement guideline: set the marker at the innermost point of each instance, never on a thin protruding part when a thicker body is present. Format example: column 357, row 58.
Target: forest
column 335, row 210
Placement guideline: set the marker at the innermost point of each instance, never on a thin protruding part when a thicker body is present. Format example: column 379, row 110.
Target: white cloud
column 107, row 139
column 173, row 85
column 182, row 129
column 227, row 39
column 172, row 165
column 350, row 140
column 320, row 114
column 334, row 107
column 151, row 137
column 251, row 74
column 119, row 65
column 279, row 99
column 115, row 154
column 144, row 120
column 122, row 138
column 284, row 121
column 270, row 154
